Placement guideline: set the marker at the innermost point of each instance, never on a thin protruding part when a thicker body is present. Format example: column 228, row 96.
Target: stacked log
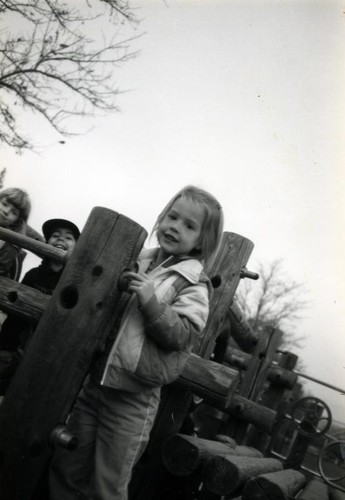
column 183, row 454
column 227, row 474
column 280, row 485
column 315, row 490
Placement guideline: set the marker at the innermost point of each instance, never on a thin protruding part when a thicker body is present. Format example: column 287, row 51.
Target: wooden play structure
column 232, row 426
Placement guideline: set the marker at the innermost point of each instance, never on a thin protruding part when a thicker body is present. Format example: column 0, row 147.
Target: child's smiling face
column 9, row 214
column 180, row 230
column 62, row 238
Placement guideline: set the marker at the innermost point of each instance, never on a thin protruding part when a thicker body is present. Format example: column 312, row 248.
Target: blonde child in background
column 161, row 325
column 15, row 207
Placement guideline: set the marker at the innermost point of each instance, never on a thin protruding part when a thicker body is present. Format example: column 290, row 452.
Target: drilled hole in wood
column 12, row 297
column 97, row 271
column 216, row 281
column 69, row 297
column 99, row 305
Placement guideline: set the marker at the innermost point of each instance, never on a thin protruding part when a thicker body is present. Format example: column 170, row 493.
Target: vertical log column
column 78, row 317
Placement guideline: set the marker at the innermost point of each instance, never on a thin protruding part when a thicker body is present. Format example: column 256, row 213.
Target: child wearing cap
column 62, row 234
column 16, row 332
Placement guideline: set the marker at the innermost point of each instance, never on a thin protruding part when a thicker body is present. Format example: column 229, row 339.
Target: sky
column 247, row 100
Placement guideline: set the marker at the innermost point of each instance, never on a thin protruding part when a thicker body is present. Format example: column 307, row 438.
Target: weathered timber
column 222, row 438
column 32, row 233
column 183, row 454
column 35, row 246
column 211, row 381
column 281, row 377
column 240, row 329
column 249, row 411
column 253, row 380
column 225, row 474
column 79, row 316
column 281, row 485
column 21, row 300
column 315, row 490
column 282, row 381
column 224, row 270
column 276, row 374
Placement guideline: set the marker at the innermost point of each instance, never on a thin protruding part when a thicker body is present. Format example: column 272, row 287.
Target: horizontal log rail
column 254, row 413
column 211, row 381
column 37, row 247
column 21, row 300
column 182, row 454
column 227, row 474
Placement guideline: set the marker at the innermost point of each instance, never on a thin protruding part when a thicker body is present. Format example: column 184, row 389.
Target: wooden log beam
column 183, row 454
column 223, row 475
column 21, row 300
column 211, row 381
column 240, row 329
column 225, row 272
column 79, row 315
column 37, row 247
column 281, row 377
column 315, row 490
column 254, row 413
column 280, row 485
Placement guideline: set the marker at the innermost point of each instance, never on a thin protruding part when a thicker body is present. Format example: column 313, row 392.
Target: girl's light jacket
column 155, row 341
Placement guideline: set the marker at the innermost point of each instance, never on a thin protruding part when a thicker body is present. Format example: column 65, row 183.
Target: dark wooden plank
column 79, row 315
column 227, row 474
column 21, row 300
column 209, row 380
column 37, row 247
column 184, row 454
column 315, row 490
column 281, row 485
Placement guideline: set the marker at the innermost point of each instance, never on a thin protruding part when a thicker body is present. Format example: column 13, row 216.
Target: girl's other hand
column 141, row 285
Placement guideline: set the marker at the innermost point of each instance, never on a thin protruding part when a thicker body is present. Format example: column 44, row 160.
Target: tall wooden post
column 79, row 316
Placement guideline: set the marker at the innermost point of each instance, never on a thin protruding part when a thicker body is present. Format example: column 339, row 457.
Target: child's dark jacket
column 42, row 278
column 9, row 256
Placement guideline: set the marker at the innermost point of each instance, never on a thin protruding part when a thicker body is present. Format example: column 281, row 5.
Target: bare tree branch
column 274, row 301
column 54, row 68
